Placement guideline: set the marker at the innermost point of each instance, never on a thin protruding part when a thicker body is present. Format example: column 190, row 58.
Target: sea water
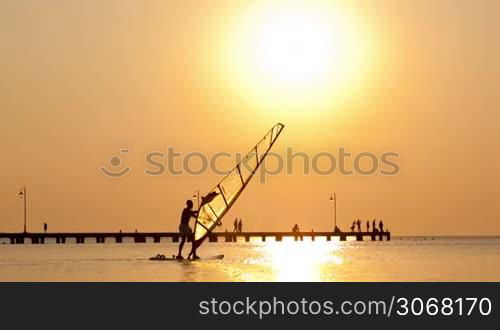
column 402, row 259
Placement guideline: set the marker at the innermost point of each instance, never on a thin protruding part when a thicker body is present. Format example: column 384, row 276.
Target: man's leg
column 192, row 254
column 181, row 245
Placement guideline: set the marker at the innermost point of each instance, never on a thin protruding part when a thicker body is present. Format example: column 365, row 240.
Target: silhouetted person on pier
column 184, row 229
column 367, row 226
column 353, row 225
column 45, row 227
column 295, row 229
column 235, row 230
column 374, row 225
column 381, row 226
column 240, row 226
column 359, row 225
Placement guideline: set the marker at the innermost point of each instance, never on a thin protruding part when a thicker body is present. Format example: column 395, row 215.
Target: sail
column 220, row 199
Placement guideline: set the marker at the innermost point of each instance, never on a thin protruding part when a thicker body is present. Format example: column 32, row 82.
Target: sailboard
column 162, row 257
column 222, row 197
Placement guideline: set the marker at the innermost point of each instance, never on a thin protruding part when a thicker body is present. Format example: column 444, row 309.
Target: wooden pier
column 155, row 237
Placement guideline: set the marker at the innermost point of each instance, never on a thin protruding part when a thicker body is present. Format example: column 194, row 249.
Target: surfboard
column 161, row 257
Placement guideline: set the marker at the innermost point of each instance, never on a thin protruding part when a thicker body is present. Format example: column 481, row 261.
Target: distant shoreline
column 447, row 236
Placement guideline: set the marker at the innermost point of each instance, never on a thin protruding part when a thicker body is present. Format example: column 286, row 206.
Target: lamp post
column 333, row 198
column 24, row 196
column 197, row 197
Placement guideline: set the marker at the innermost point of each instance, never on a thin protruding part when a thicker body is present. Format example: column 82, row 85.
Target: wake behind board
column 161, row 257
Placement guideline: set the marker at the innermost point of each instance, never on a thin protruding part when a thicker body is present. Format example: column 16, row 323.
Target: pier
column 155, row 237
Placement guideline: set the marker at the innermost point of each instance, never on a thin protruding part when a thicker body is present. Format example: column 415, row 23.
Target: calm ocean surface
column 402, row 259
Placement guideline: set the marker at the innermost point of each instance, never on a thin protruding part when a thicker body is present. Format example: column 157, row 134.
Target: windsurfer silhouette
column 212, row 213
column 184, row 229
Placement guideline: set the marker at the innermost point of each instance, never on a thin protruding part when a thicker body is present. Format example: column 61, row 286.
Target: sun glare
column 301, row 52
column 301, row 261
column 295, row 48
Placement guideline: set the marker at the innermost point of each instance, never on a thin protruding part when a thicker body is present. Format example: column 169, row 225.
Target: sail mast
column 223, row 196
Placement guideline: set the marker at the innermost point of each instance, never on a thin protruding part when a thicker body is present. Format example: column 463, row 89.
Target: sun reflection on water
column 304, row 261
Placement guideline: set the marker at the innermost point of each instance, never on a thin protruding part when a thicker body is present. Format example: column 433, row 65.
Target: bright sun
column 295, row 47
column 300, row 52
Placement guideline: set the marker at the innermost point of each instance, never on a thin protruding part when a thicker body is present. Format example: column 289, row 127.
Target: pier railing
column 155, row 237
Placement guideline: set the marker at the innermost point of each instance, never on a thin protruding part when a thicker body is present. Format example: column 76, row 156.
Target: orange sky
column 83, row 79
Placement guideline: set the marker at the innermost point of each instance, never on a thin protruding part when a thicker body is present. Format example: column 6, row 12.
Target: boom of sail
column 220, row 199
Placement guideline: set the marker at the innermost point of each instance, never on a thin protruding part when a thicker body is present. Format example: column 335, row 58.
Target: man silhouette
column 367, row 225
column 184, row 229
column 240, row 226
column 45, row 227
column 381, row 226
column 359, row 225
column 235, row 230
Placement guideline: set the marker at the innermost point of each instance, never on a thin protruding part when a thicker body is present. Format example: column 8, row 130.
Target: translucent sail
column 220, row 199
